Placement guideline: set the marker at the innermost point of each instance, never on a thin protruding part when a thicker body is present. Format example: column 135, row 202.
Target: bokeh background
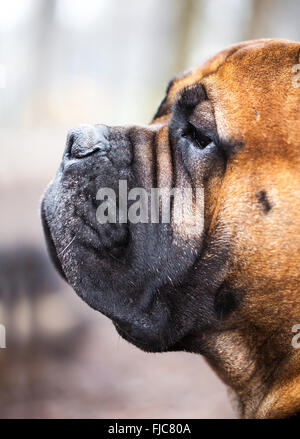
column 67, row 62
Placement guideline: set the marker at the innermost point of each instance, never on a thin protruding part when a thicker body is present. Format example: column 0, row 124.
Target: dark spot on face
column 226, row 301
column 263, row 200
column 256, row 113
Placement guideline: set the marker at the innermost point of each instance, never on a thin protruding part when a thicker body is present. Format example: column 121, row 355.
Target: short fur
column 233, row 293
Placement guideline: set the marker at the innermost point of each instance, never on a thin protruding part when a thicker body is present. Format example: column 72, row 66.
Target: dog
column 231, row 290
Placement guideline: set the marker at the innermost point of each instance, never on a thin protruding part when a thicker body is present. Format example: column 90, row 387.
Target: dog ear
column 164, row 107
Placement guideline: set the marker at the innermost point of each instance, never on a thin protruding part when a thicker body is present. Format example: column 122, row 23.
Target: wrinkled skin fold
column 229, row 128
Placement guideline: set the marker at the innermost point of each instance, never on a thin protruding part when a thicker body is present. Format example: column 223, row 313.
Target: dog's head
column 227, row 136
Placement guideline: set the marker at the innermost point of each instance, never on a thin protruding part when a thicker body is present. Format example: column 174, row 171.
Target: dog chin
column 145, row 344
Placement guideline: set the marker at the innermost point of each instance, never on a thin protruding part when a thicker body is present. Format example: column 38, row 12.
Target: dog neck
column 263, row 379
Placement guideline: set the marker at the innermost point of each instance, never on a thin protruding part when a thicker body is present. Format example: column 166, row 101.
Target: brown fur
column 254, row 102
column 230, row 290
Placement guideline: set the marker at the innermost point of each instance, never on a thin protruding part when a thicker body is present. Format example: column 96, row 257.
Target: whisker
column 67, row 246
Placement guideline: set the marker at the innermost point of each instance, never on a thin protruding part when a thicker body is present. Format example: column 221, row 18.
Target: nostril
column 85, row 140
column 81, row 141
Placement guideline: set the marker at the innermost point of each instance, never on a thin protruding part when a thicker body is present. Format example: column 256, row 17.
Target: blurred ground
column 90, row 372
column 104, row 377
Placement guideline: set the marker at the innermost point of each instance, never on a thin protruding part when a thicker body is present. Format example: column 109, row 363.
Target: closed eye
column 199, row 139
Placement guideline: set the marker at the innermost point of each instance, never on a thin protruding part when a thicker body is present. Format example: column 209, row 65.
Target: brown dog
column 232, row 292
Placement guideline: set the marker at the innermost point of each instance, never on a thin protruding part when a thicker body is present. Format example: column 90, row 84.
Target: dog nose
column 85, row 140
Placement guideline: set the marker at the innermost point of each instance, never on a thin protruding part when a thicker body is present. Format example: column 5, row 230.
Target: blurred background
column 68, row 62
